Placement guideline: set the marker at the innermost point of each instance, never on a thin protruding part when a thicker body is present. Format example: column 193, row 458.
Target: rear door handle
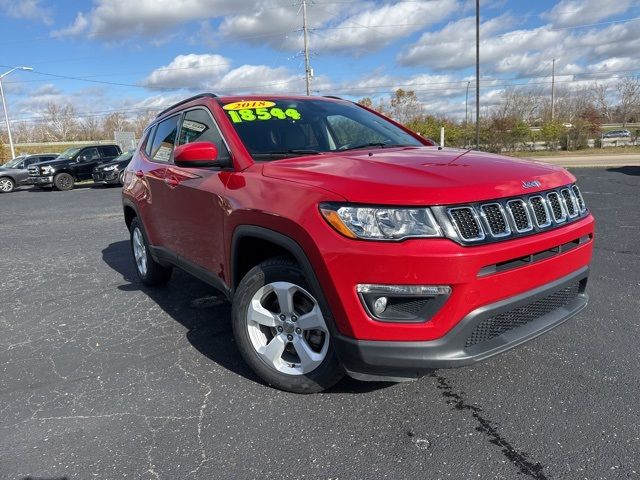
column 140, row 174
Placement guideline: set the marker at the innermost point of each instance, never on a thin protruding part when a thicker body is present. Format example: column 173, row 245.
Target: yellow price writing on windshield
column 253, row 114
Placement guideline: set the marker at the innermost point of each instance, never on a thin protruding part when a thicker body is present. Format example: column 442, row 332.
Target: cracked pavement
column 101, row 377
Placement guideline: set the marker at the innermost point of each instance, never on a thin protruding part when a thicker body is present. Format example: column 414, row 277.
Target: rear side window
column 198, row 126
column 165, row 139
column 109, row 151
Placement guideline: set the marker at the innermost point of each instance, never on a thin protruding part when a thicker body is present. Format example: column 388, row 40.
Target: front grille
column 504, row 322
column 466, row 223
column 501, row 219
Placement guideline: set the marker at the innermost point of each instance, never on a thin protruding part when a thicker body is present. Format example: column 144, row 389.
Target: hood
column 120, row 163
column 55, row 162
column 7, row 169
column 418, row 175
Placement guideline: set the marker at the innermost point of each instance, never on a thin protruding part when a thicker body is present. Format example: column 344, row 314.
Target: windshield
column 280, row 128
column 123, row 156
column 14, row 162
column 69, row 152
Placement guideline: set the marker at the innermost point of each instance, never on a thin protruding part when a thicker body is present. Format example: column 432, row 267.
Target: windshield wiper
column 293, row 151
column 365, row 145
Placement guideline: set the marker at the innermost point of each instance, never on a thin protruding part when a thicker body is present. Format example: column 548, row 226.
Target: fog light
column 402, row 303
column 380, row 305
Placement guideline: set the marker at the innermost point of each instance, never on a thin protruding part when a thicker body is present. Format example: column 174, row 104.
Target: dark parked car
column 617, row 134
column 74, row 164
column 14, row 173
column 112, row 173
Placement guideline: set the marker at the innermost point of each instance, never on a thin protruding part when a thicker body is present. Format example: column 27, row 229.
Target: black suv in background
column 14, row 173
column 112, row 173
column 74, row 164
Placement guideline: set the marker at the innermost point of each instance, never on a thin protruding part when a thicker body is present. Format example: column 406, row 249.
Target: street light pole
column 4, row 105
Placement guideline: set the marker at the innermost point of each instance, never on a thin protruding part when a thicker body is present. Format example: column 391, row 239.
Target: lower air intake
column 495, row 326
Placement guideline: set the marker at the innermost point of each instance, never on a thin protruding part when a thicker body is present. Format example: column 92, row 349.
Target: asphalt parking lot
column 103, row 378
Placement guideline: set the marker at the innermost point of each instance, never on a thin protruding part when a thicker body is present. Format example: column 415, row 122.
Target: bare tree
column 628, row 90
column 61, row 122
column 115, row 122
column 600, row 96
column 404, row 105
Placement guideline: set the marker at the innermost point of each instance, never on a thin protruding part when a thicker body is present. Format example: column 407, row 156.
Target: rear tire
column 7, row 185
column 149, row 271
column 281, row 331
column 63, row 181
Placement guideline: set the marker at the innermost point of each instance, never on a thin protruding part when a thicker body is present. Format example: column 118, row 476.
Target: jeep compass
column 348, row 244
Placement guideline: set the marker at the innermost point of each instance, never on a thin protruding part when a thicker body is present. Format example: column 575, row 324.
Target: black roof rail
column 186, row 100
column 333, row 96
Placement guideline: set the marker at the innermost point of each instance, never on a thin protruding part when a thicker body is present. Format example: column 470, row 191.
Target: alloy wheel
column 287, row 329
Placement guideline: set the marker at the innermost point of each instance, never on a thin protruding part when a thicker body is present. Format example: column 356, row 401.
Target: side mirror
column 197, row 154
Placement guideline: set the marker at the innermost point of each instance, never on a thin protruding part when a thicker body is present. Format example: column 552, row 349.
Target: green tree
column 552, row 132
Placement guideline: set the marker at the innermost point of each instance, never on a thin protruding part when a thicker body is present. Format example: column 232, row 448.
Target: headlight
column 47, row 170
column 109, row 169
column 381, row 223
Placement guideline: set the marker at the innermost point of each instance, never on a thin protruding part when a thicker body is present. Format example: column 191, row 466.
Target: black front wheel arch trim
column 293, row 248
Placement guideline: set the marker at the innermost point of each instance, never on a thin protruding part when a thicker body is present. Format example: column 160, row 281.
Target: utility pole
column 305, row 30
column 466, row 115
column 553, row 90
column 477, row 74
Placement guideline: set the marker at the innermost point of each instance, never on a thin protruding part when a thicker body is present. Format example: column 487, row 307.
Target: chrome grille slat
column 520, row 215
column 540, row 211
column 557, row 208
column 578, row 194
column 467, row 223
column 570, row 202
column 495, row 219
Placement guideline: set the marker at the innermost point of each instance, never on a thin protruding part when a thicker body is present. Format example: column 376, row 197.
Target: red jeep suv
column 349, row 244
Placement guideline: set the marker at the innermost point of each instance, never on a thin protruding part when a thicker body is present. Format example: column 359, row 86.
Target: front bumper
column 483, row 333
column 110, row 177
column 44, row 180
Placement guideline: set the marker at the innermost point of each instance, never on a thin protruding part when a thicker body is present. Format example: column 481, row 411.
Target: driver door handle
column 172, row 182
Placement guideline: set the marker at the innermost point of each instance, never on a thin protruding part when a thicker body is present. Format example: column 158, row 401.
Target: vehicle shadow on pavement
column 205, row 314
column 50, row 190
column 626, row 170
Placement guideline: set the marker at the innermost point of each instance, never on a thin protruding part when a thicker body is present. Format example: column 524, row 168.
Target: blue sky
column 105, row 55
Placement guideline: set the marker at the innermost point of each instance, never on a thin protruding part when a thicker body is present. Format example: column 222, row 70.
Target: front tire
column 281, row 330
column 7, row 185
column 149, row 271
column 63, row 181
column 121, row 178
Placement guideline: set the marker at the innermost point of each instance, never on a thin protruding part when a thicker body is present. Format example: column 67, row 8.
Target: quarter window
column 164, row 140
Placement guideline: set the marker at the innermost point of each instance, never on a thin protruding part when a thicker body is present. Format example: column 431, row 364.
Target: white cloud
column 29, row 9
column 214, row 72
column 118, row 19
column 568, row 13
column 376, row 27
column 79, row 25
column 189, row 71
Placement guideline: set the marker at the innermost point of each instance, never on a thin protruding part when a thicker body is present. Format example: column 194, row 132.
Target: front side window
column 164, row 139
column 273, row 129
column 90, row 154
column 198, row 126
column 148, row 140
